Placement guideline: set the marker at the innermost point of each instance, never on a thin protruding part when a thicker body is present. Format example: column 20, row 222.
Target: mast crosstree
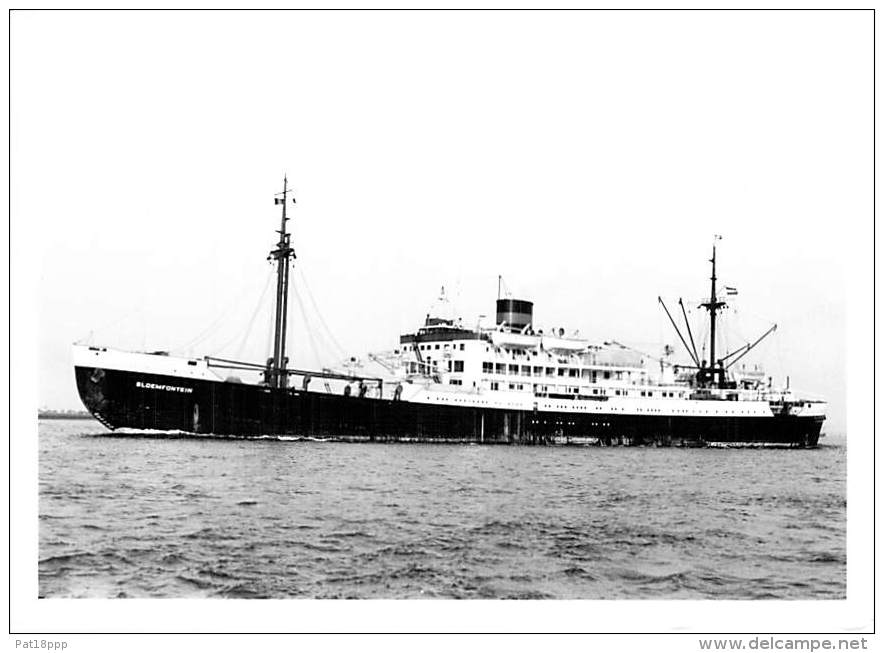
column 283, row 254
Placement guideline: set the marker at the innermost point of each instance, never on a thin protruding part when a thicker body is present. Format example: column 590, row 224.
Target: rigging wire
column 307, row 327
column 209, row 330
column 737, row 327
column 204, row 334
column 778, row 345
column 703, row 345
column 322, row 341
column 660, row 337
column 271, row 327
column 245, row 337
column 112, row 324
column 325, row 345
column 251, row 322
column 721, row 330
column 331, row 336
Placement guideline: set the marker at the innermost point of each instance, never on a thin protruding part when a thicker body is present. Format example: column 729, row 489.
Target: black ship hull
column 135, row 400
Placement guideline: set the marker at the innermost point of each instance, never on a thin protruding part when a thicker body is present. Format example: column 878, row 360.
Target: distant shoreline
column 57, row 414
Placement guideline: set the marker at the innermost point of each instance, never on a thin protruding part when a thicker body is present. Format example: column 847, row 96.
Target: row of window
column 663, row 393
column 453, row 366
column 618, row 392
column 495, row 385
column 527, row 370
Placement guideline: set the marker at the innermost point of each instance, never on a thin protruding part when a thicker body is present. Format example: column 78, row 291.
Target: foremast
column 283, row 255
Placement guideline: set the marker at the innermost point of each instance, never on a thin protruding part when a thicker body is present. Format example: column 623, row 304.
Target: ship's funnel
column 517, row 313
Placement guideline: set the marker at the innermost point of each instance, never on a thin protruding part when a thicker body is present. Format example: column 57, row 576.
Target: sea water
column 124, row 515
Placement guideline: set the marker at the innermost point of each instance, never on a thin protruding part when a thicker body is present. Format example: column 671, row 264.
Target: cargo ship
column 507, row 382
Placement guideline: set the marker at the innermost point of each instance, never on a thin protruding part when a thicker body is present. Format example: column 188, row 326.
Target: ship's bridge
column 440, row 325
column 439, row 332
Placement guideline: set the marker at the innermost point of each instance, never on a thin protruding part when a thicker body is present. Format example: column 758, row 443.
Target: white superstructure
column 510, row 366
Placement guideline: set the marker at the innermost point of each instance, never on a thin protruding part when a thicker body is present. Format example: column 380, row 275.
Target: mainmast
column 713, row 306
column 283, row 253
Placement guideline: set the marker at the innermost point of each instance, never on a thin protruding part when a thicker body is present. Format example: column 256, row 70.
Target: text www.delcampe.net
column 783, row 644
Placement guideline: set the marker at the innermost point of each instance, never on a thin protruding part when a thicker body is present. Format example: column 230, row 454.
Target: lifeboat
column 514, row 340
column 563, row 344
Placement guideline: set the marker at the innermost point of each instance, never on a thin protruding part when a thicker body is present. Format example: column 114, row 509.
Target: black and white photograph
column 442, row 321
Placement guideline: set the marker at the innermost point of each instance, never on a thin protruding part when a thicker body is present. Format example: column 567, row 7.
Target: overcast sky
column 588, row 158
